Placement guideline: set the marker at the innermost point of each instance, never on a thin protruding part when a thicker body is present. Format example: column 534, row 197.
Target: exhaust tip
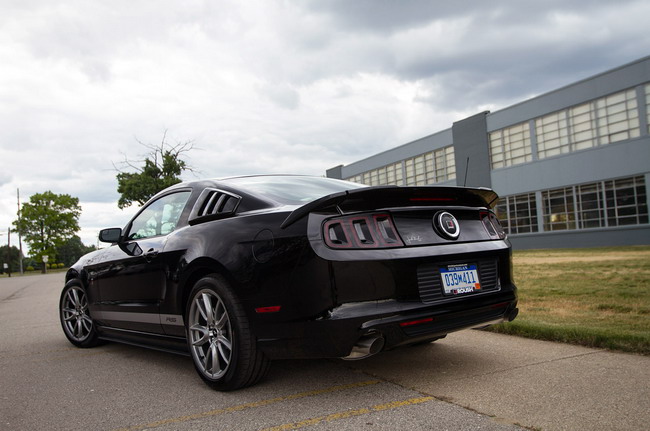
column 368, row 345
column 513, row 314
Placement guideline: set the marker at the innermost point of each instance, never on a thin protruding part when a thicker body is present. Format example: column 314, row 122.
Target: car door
column 131, row 280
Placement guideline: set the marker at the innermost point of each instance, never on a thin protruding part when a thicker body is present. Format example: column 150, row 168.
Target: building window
column 510, row 146
column 626, row 201
column 415, row 173
column 444, row 165
column 355, row 179
column 602, row 204
column 559, row 212
column 518, row 213
column 430, row 168
column 552, row 135
column 589, row 198
column 600, row 122
column 618, row 117
column 582, row 121
column 386, row 175
column 394, row 174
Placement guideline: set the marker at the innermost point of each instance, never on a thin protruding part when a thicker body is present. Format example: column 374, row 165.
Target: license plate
column 460, row 279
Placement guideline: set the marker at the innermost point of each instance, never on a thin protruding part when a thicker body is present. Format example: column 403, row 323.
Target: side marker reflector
column 416, row 322
column 273, row 309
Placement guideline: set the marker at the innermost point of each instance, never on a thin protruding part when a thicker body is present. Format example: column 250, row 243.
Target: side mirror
column 111, row 235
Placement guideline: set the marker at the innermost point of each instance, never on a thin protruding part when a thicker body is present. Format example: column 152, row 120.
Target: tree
column 71, row 250
column 47, row 221
column 162, row 168
column 11, row 256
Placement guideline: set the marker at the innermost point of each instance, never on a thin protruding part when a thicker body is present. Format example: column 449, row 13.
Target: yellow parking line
column 250, row 405
column 348, row 413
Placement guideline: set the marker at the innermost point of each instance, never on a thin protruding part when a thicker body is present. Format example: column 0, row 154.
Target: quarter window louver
column 214, row 204
column 218, row 203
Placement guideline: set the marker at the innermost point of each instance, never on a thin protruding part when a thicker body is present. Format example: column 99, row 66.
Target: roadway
column 470, row 380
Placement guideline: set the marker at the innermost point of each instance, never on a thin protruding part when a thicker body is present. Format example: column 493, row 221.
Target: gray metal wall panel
column 615, row 80
column 335, row 172
column 634, row 235
column 426, row 144
column 471, row 151
column 622, row 159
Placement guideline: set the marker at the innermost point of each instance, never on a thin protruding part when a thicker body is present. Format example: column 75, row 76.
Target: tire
column 222, row 346
column 77, row 324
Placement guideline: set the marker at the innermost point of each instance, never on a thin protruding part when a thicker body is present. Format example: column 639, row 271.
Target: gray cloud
column 272, row 86
column 282, row 94
column 504, row 49
column 389, row 16
column 4, row 179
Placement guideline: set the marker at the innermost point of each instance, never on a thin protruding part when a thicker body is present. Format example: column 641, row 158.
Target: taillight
column 497, row 225
column 362, row 231
column 492, row 225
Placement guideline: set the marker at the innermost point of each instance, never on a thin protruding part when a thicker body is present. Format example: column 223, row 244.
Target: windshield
column 292, row 190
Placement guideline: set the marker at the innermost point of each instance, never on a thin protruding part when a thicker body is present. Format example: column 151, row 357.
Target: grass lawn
column 597, row 297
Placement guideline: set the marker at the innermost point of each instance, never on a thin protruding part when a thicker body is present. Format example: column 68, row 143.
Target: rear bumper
column 398, row 322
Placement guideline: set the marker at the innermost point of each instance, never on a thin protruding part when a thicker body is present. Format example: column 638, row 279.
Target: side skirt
column 164, row 343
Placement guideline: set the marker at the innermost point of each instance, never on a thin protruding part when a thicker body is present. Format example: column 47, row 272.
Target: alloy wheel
column 210, row 333
column 74, row 314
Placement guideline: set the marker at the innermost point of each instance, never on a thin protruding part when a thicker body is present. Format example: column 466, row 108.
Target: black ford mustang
column 239, row 271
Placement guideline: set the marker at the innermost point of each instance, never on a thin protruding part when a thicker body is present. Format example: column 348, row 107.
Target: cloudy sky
column 275, row 86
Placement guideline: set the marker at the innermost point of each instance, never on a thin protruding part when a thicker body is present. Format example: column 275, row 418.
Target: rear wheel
column 219, row 338
column 77, row 324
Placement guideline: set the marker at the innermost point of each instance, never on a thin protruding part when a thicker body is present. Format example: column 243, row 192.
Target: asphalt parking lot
column 471, row 380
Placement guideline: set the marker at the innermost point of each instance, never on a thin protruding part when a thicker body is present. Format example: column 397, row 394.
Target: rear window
column 291, row 190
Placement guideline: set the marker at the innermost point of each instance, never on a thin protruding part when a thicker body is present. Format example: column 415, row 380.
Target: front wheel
column 77, row 324
column 219, row 338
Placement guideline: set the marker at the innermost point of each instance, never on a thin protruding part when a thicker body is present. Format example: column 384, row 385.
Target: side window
column 160, row 217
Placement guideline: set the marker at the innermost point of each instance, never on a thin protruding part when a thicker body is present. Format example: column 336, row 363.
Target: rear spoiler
column 369, row 198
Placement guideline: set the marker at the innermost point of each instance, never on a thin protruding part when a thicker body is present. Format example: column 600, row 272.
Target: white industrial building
column 571, row 166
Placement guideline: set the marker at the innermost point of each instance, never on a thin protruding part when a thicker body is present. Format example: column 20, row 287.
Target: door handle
column 150, row 255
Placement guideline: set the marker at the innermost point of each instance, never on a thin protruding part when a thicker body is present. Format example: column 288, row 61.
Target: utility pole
column 5, row 265
column 20, row 240
column 9, row 252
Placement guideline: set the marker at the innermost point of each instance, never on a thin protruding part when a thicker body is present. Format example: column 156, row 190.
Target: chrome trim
column 152, row 318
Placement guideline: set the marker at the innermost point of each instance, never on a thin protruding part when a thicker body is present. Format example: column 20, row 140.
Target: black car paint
column 275, row 256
